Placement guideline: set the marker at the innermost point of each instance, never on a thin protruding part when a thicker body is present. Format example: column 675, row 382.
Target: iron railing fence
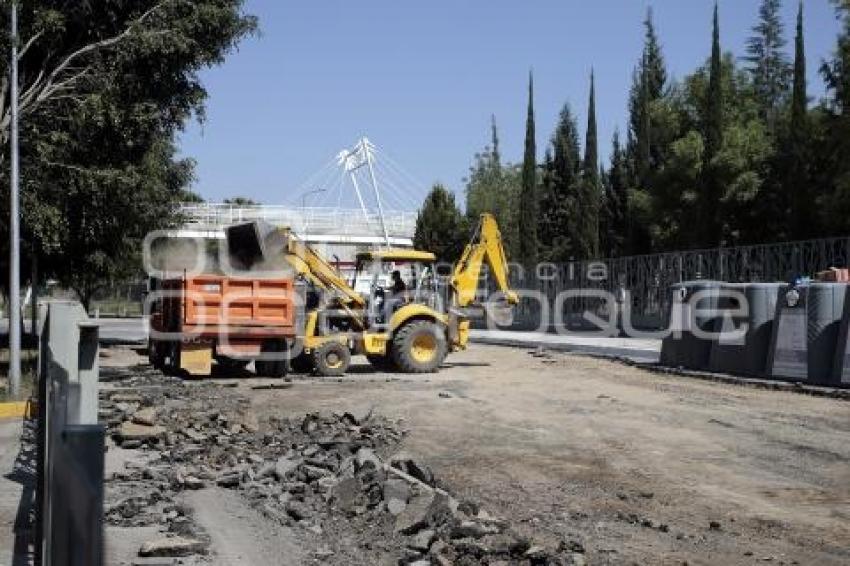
column 646, row 279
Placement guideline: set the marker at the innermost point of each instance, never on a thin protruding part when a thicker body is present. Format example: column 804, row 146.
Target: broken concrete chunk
column 415, row 515
column 345, row 493
column 473, row 529
column 146, row 416
column 396, row 489
column 286, row 466
column 132, row 431
column 173, row 546
column 422, row 540
column 413, row 468
column 366, row 459
column 395, row 506
column 358, row 416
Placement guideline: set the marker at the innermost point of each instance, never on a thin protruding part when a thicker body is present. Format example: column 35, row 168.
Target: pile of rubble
column 337, row 478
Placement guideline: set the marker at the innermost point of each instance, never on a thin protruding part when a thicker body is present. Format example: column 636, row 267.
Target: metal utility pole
column 14, row 228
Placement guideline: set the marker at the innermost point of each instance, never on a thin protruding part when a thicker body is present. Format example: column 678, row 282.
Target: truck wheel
column 272, row 368
column 155, row 356
column 419, row 347
column 381, row 362
column 331, row 359
column 302, row 363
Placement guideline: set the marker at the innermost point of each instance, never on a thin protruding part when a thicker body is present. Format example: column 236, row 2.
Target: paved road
column 128, row 330
column 111, row 329
column 637, row 349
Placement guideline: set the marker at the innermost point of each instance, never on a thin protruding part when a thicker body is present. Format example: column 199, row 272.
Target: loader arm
column 486, row 246
column 307, row 262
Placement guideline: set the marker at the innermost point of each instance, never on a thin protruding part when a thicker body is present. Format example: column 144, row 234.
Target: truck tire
column 331, row 359
column 272, row 368
column 419, row 347
column 381, row 362
column 155, row 355
column 302, row 363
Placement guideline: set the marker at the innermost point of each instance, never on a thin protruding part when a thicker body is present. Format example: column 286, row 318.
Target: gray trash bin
column 841, row 369
column 681, row 348
column 806, row 333
column 745, row 352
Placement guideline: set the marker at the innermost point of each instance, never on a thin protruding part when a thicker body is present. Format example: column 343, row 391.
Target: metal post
column 368, row 153
column 14, row 239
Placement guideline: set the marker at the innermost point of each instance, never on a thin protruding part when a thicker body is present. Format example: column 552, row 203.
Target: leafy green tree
column 616, row 216
column 440, row 226
column 494, row 188
column 834, row 147
column 767, row 63
column 529, row 215
column 240, row 201
column 105, row 86
column 560, row 214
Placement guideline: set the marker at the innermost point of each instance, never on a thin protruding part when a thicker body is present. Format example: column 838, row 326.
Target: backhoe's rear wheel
column 381, row 362
column 419, row 347
column 331, row 359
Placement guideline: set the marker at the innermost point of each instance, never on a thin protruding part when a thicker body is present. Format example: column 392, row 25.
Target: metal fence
column 69, row 493
column 646, row 279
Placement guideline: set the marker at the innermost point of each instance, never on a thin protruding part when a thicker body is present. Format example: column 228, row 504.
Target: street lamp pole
column 14, row 227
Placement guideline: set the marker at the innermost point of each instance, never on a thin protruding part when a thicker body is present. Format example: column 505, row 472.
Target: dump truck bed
column 209, row 304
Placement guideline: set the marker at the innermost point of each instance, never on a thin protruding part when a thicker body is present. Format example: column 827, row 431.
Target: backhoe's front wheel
column 331, row 359
column 419, row 347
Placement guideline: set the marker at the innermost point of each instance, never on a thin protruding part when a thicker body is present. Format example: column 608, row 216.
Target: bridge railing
column 316, row 220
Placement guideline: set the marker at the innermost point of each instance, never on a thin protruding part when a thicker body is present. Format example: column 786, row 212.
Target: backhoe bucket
column 253, row 243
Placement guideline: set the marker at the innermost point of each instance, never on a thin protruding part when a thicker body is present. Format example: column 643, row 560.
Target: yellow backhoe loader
column 398, row 311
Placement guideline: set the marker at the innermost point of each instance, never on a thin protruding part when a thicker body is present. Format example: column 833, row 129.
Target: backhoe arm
column 486, row 246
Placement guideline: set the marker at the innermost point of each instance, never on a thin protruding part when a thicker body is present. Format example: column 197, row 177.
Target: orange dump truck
column 232, row 320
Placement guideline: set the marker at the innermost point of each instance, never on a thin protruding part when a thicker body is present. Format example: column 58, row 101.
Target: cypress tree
column 564, row 205
column 617, row 199
column 768, row 64
column 649, row 82
column 495, row 156
column 591, row 147
column 713, row 135
column 528, row 205
column 589, row 196
column 798, row 193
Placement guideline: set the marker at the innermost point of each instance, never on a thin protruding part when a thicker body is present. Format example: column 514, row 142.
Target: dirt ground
column 639, row 467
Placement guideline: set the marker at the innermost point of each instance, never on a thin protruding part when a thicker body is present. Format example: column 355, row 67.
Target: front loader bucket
column 255, row 242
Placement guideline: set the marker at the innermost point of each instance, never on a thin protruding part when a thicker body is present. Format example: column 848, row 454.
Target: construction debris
column 327, row 475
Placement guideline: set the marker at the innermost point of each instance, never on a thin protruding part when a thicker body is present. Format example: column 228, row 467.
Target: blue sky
column 421, row 80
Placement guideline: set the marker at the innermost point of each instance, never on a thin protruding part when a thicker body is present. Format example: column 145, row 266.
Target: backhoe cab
column 396, row 311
